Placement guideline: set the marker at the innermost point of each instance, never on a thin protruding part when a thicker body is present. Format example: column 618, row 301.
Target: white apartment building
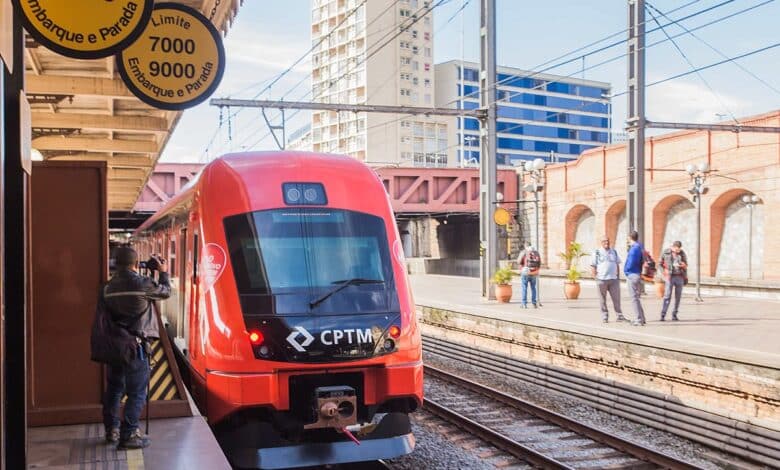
column 363, row 60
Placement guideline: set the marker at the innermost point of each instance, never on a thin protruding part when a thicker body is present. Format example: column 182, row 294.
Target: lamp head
column 754, row 199
column 538, row 164
column 746, row 198
column 690, row 169
column 703, row 167
column 499, row 197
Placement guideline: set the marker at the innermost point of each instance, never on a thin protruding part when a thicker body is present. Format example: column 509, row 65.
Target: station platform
column 733, row 328
column 177, row 443
column 722, row 357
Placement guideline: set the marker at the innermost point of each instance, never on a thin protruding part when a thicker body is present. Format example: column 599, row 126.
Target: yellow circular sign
column 178, row 60
column 502, row 216
column 85, row 29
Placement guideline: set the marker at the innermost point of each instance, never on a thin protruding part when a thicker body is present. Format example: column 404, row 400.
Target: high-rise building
column 539, row 115
column 375, row 52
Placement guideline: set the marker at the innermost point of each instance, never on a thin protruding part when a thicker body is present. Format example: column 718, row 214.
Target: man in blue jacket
column 633, row 271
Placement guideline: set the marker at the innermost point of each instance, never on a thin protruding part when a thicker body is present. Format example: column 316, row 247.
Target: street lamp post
column 535, row 169
column 750, row 200
column 698, row 174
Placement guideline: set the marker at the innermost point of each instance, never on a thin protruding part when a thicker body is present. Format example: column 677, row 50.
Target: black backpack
column 109, row 342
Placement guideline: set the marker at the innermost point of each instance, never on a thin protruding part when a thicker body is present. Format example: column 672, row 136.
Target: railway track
column 531, row 433
column 742, row 439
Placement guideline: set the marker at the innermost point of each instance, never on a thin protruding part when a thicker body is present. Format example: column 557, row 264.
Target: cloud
column 682, row 101
column 270, row 52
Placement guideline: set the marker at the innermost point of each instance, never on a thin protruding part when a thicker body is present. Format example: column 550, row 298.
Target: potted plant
column 571, row 257
column 503, row 281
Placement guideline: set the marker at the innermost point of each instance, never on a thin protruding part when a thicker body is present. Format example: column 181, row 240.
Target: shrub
column 571, row 258
column 503, row 276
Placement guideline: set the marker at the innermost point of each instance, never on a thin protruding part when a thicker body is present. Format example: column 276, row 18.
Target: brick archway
column 718, row 221
column 572, row 219
column 612, row 219
column 660, row 218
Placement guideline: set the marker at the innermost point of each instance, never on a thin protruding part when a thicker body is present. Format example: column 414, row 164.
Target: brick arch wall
column 717, row 222
column 572, row 220
column 612, row 219
column 660, row 218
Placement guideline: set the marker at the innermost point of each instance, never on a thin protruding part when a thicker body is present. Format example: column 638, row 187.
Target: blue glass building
column 539, row 115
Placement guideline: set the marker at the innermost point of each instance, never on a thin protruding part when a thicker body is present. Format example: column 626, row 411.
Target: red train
column 292, row 315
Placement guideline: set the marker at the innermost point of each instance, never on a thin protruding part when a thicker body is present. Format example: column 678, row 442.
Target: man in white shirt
column 605, row 266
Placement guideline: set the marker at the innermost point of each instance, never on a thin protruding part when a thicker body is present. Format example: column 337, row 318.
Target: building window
column 427, row 98
column 414, row 34
column 415, row 81
column 427, row 36
column 427, row 83
column 427, row 52
column 405, row 13
column 427, row 67
column 415, row 65
column 406, row 61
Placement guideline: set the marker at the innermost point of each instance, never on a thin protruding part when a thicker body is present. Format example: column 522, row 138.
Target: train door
column 181, row 316
column 192, row 299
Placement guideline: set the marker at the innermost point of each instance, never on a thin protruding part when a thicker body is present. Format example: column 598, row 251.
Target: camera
column 153, row 263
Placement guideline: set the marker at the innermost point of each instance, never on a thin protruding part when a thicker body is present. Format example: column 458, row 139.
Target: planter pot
column 571, row 290
column 503, row 292
column 660, row 289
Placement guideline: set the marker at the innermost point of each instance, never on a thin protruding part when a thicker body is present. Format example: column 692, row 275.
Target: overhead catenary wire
column 593, row 66
column 690, row 63
column 716, row 50
column 388, row 38
column 530, row 75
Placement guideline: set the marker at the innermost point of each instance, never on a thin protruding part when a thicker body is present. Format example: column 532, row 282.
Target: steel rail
column 494, row 438
column 652, row 409
column 631, row 448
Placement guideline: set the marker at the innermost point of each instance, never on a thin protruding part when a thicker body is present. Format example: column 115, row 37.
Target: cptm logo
column 329, row 337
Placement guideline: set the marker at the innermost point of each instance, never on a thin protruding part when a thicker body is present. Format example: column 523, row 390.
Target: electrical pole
column 488, row 236
column 635, row 124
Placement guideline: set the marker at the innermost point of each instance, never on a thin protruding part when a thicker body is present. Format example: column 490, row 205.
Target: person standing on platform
column 605, row 266
column 633, row 270
column 530, row 262
column 129, row 297
column 674, row 262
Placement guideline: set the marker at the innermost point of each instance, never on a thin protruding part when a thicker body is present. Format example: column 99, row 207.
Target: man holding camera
column 129, row 297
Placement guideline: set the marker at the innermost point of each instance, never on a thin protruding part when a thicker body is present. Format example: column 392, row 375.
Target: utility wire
column 537, row 72
column 714, row 64
column 718, row 51
column 685, row 57
column 291, row 67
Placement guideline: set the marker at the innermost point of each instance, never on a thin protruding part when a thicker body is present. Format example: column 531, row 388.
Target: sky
column 268, row 36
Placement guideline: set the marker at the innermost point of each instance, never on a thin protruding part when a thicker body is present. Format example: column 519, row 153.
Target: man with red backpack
column 530, row 262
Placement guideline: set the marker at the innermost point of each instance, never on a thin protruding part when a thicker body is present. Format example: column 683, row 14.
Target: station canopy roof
column 82, row 110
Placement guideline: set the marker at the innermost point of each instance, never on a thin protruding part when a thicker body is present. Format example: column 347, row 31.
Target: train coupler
column 335, row 407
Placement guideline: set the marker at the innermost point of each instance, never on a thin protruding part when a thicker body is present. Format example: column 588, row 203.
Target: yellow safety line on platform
column 135, row 459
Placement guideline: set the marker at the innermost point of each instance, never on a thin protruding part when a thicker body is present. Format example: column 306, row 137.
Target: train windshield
column 296, row 260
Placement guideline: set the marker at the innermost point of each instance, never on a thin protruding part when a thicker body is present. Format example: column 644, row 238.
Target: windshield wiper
column 341, row 285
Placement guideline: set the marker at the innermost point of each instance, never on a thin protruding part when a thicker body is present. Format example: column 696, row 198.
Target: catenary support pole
column 487, row 163
column 635, row 124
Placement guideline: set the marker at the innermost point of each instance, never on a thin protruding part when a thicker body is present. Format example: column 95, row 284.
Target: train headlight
column 304, row 194
column 394, row 332
column 256, row 337
column 389, row 345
